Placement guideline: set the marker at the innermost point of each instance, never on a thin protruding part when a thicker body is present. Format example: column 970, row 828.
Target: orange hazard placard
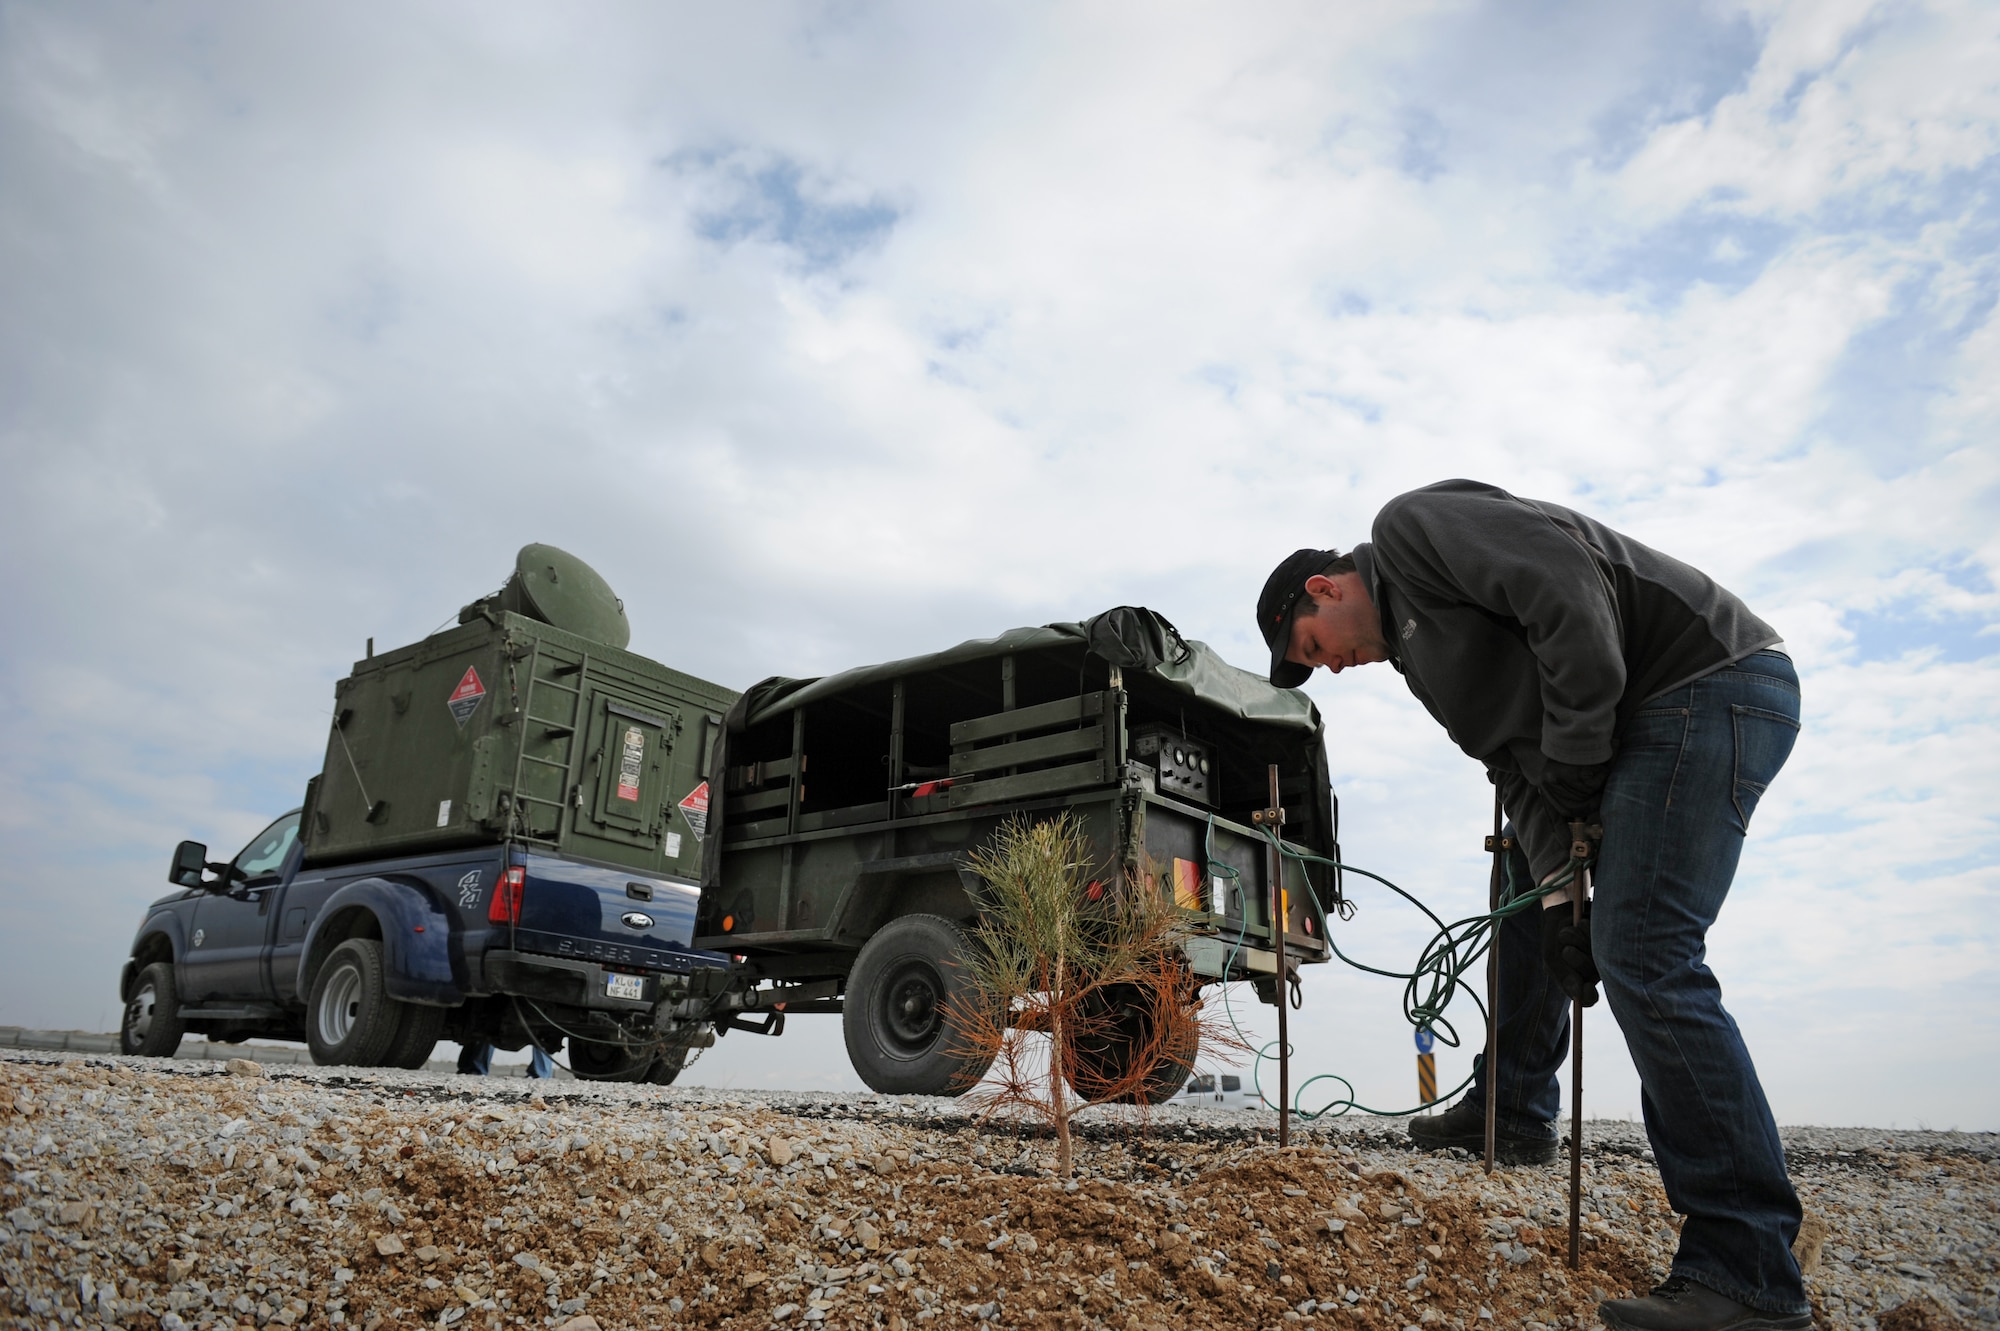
column 1187, row 885
column 465, row 699
column 695, row 809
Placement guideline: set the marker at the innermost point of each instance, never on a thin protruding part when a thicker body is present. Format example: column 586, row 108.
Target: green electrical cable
column 1452, row 951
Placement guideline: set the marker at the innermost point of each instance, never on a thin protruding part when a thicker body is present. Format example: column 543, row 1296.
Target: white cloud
column 1846, row 97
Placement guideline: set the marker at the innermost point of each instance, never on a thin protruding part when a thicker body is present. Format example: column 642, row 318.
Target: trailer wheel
column 350, row 1018
column 593, row 1061
column 416, row 1036
column 1102, row 1062
column 152, row 1024
column 894, row 1018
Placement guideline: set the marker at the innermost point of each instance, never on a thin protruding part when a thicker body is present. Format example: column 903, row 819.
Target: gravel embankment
column 149, row 1194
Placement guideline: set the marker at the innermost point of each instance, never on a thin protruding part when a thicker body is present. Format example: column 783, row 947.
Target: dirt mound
column 1922, row 1313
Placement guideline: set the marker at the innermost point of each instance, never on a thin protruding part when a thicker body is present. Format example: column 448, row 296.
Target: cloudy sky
column 831, row 333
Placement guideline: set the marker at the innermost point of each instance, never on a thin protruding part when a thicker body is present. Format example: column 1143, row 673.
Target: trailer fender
column 415, row 934
column 940, row 883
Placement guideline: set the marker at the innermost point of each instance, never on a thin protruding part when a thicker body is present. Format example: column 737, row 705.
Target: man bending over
column 1596, row 679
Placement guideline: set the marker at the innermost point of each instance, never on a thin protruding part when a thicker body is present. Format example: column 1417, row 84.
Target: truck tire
column 1100, row 1064
column 591, row 1060
column 350, row 1018
column 667, row 1066
column 151, row 1026
column 894, row 1018
column 416, row 1036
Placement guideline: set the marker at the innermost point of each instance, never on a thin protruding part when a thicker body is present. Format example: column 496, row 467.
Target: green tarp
column 1132, row 637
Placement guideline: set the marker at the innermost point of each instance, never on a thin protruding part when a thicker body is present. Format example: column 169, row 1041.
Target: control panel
column 1181, row 766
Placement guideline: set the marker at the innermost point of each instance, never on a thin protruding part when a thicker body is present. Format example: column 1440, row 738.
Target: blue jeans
column 1690, row 768
column 477, row 1059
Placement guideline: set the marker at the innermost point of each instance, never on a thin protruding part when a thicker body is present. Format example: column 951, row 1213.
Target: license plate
column 625, row 986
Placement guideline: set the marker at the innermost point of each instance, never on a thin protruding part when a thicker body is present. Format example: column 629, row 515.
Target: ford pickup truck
column 371, row 963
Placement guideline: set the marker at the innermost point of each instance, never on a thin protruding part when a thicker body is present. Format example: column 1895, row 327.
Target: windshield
column 267, row 850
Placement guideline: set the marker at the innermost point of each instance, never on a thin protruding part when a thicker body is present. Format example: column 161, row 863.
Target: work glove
column 1566, row 952
column 1572, row 791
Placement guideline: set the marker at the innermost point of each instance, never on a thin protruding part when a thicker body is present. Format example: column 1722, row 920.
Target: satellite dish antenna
column 557, row 588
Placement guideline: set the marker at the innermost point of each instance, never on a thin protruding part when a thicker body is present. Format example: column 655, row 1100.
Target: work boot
column 1464, row 1126
column 1680, row 1304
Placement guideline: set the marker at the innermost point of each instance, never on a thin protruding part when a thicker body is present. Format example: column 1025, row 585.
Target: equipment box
column 508, row 728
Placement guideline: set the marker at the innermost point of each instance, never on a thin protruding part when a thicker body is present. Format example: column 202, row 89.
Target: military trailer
column 836, row 867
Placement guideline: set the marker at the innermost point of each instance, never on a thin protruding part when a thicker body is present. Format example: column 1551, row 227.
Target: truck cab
column 227, row 957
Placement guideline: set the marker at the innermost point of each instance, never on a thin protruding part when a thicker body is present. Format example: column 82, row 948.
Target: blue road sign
column 1425, row 1041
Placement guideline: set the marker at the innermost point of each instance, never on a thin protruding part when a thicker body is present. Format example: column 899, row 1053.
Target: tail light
column 505, row 908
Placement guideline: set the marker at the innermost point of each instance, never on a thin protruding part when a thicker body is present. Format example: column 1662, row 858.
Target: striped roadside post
column 1427, row 1068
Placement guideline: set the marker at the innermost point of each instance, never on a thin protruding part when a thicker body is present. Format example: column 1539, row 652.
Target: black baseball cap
column 1279, row 602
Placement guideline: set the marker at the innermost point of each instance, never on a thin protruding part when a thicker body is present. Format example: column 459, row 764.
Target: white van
column 1226, row 1090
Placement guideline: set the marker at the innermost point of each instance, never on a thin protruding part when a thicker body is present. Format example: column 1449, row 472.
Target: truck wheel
column 1102, row 1062
column 903, row 983
column 415, row 1037
column 152, row 1025
column 350, row 1018
column 592, row 1061
column 668, row 1065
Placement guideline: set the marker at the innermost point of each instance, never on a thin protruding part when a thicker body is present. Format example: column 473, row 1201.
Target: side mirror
column 190, row 858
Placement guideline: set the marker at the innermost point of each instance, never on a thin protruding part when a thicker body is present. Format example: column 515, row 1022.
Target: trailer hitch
column 773, row 1024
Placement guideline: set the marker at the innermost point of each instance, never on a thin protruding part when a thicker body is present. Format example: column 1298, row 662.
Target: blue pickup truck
column 372, row 962
column 504, row 845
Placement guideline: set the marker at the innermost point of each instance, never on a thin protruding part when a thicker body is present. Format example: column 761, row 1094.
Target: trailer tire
column 1100, row 1065
column 894, row 1018
column 350, row 1018
column 152, row 1026
column 416, row 1036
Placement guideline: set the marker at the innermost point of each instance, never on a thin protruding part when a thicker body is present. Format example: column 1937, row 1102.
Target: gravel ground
column 151, row 1194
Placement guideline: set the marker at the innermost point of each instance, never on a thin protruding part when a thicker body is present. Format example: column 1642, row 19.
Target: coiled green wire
column 1427, row 990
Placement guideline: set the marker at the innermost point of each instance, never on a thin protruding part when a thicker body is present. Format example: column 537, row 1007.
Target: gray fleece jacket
column 1533, row 633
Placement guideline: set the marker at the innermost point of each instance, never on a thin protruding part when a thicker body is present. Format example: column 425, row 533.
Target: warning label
column 1187, row 885
column 630, row 763
column 695, row 809
column 464, row 700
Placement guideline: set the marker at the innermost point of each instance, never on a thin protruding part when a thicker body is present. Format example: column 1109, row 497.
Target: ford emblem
column 637, row 920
